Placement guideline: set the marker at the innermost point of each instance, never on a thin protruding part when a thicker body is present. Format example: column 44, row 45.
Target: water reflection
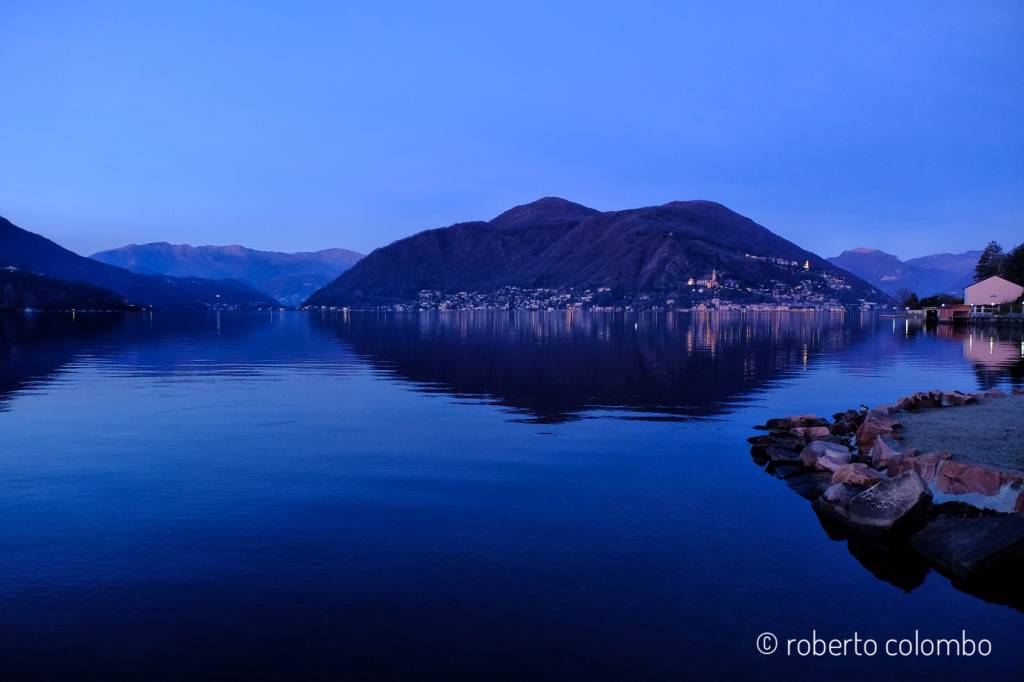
column 996, row 357
column 544, row 367
column 36, row 348
column 892, row 560
column 557, row 367
column 277, row 490
column 995, row 352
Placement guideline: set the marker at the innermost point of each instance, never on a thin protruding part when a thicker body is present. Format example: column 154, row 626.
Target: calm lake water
column 452, row 496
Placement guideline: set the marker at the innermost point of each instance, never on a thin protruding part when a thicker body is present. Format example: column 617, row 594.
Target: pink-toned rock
column 883, row 451
column 833, row 454
column 1014, row 476
column 839, row 494
column 817, row 432
column 857, row 474
column 810, row 433
column 907, row 403
column 832, row 461
column 920, row 400
column 926, row 464
column 796, row 422
column 1018, row 390
column 993, row 393
column 889, row 502
column 957, row 398
column 958, row 478
column 875, row 424
column 843, row 428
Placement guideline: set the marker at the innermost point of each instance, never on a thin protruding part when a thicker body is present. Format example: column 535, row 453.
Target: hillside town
column 709, row 291
column 715, row 297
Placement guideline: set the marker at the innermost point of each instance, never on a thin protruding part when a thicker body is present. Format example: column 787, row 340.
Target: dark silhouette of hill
column 35, row 348
column 20, row 290
column 287, row 277
column 555, row 367
column 554, row 243
column 31, row 252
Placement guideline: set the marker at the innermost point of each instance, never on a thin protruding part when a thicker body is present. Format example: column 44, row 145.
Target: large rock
column 779, row 455
column 957, row 398
column 966, row 546
column 875, row 424
column 906, row 403
column 840, row 494
column 825, row 455
column 926, row 464
column 818, row 432
column 843, row 428
column 960, row 478
column 846, row 423
column 786, row 439
column 849, row 415
column 921, row 400
column 857, row 474
column 833, row 501
column 812, row 433
column 809, row 485
column 833, row 461
column 883, row 451
column 798, row 421
column 889, row 503
column 820, row 447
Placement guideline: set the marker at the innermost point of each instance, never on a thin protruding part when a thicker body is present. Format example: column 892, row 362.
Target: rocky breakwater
column 963, row 517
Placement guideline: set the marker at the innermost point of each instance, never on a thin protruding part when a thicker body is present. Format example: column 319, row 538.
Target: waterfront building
column 992, row 291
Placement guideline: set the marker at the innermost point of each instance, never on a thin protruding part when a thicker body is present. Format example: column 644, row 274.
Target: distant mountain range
column 288, row 277
column 679, row 253
column 937, row 274
column 29, row 252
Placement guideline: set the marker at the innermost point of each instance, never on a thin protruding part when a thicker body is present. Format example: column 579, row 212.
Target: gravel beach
column 989, row 432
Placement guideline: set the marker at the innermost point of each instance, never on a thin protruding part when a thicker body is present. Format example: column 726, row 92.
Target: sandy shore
column 989, row 432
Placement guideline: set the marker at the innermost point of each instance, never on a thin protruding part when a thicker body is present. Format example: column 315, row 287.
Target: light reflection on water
column 543, row 495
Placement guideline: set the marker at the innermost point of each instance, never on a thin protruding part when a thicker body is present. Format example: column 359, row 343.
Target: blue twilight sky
column 305, row 125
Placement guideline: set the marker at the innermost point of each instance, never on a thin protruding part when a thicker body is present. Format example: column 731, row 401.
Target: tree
column 908, row 298
column 940, row 300
column 990, row 262
column 1013, row 265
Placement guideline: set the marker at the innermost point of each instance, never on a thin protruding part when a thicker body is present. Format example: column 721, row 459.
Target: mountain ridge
column 287, row 277
column 661, row 250
column 33, row 253
column 924, row 275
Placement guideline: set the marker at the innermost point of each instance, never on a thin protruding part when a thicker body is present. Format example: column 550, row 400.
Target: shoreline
column 938, row 475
